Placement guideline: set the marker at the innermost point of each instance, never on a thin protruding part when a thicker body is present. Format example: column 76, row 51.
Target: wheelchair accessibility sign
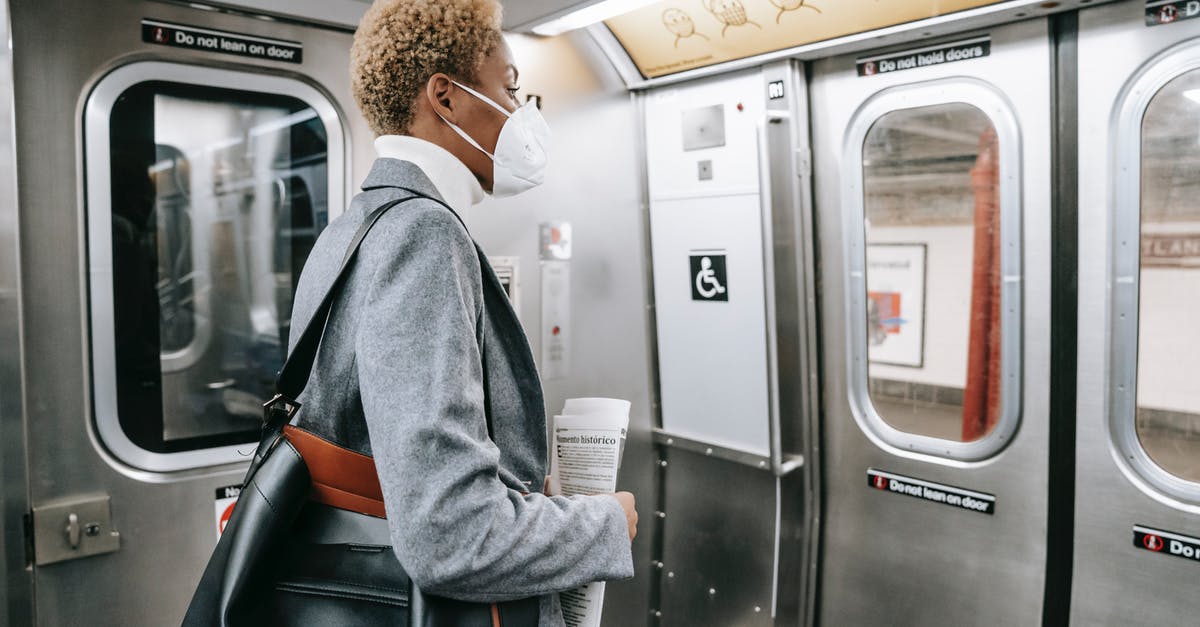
column 708, row 276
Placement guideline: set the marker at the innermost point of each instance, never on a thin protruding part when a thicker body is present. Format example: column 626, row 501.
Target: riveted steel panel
column 718, row 542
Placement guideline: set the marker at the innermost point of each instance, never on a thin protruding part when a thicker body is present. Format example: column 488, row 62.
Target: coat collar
column 387, row 172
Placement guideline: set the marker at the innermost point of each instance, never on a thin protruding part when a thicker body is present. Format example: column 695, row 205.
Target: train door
column 172, row 180
column 932, row 199
column 726, row 160
column 1137, row 515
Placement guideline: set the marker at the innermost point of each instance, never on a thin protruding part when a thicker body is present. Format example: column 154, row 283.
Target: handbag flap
column 341, row 478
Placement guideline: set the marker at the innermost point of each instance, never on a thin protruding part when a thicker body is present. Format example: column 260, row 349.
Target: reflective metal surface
column 735, row 370
column 785, row 151
column 73, row 529
column 337, row 13
column 16, row 591
column 1148, row 588
column 520, row 14
column 888, row 560
column 166, row 520
column 1136, row 348
column 930, row 93
column 779, row 467
column 719, row 530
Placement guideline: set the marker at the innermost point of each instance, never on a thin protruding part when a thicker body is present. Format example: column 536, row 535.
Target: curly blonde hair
column 401, row 43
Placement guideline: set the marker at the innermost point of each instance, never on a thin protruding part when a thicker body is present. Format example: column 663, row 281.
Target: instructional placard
column 1166, row 542
column 224, row 42
column 970, row 500
column 226, row 498
column 709, row 278
column 1160, row 12
column 965, row 50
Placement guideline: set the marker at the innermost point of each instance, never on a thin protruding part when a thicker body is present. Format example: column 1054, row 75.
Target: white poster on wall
column 896, row 304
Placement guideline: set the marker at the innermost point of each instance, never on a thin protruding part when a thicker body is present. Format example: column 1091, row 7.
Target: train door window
column 206, row 191
column 937, row 252
column 1168, row 343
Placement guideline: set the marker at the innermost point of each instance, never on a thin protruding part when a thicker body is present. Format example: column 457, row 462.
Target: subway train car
column 905, row 294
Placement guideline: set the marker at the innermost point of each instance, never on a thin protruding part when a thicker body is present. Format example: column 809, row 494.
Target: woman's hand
column 627, row 503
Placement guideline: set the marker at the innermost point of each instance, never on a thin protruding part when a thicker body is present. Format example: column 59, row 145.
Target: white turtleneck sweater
column 453, row 180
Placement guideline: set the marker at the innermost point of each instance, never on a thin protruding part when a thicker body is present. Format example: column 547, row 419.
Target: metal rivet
column 712, row 592
column 662, row 463
column 670, row 441
column 670, row 574
column 708, row 451
column 660, row 514
column 657, row 614
column 757, row 609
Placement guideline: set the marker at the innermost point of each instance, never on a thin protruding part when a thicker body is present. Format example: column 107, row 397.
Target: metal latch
column 74, row 528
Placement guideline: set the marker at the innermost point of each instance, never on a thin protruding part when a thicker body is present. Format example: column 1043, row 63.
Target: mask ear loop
column 483, row 98
column 462, row 133
column 467, row 138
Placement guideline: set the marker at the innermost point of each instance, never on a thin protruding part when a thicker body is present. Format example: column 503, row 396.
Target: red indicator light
column 741, row 107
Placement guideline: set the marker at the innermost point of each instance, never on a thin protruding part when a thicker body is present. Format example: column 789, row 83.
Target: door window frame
column 990, row 101
column 98, row 203
column 1125, row 212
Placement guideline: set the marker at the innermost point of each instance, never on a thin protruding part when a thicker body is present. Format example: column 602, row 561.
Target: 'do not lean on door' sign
column 1166, row 542
column 223, row 42
column 960, row 498
column 1159, row 12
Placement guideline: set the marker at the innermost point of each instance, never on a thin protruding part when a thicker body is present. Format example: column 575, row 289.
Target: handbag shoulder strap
column 294, row 375
column 296, row 370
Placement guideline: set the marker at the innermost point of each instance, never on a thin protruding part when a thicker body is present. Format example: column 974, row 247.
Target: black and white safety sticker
column 224, row 42
column 1160, row 12
column 1166, row 542
column 709, row 279
column 964, row 50
column 960, row 498
column 226, row 499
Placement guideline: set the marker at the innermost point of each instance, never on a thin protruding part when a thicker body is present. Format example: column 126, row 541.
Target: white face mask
column 519, row 163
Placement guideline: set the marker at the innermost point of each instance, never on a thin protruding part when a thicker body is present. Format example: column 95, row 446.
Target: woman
column 424, row 365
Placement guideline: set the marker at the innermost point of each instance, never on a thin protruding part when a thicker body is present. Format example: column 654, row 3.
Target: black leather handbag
column 286, row 558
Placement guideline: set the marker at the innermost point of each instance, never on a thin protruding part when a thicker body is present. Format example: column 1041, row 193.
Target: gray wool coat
column 421, row 349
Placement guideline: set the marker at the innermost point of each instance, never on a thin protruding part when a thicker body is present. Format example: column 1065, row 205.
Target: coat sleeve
column 457, row 529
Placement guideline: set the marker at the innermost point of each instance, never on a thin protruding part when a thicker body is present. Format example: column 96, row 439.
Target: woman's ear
column 438, row 90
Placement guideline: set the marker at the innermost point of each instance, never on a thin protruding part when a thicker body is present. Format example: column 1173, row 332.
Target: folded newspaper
column 589, row 440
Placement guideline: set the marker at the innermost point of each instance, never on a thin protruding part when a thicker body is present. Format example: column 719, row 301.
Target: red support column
column 981, row 398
